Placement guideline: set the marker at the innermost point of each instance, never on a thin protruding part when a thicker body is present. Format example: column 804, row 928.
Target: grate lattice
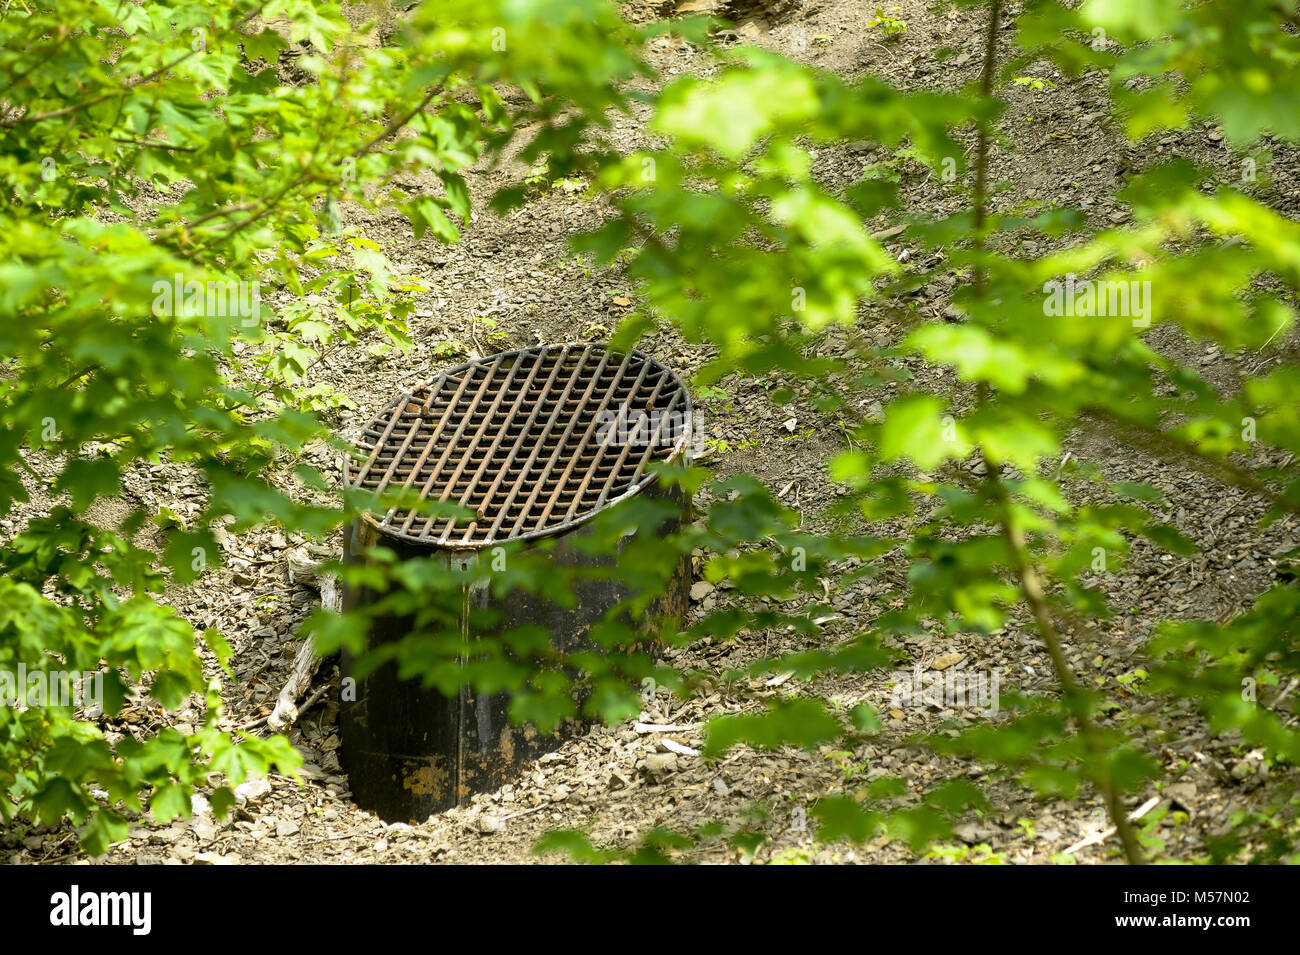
column 533, row 441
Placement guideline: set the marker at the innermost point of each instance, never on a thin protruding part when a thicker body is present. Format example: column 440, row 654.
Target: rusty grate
column 533, row 441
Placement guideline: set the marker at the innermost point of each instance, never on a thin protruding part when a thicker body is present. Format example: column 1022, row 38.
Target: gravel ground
column 616, row 782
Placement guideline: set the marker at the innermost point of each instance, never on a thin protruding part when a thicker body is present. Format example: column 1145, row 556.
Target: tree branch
column 1031, row 586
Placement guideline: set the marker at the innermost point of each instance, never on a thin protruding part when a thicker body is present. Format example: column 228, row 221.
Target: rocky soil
column 616, row 782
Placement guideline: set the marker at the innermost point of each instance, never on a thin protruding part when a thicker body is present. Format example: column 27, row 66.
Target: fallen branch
column 664, row 727
column 306, row 663
column 1098, row 837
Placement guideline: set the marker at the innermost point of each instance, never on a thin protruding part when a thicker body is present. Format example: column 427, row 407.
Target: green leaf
column 104, row 828
column 170, row 801
column 89, row 478
column 919, row 427
column 797, row 722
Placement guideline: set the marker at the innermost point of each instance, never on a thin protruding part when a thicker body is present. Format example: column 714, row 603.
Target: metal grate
column 533, row 441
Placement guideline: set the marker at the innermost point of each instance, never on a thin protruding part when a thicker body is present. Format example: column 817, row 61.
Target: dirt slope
column 518, row 272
